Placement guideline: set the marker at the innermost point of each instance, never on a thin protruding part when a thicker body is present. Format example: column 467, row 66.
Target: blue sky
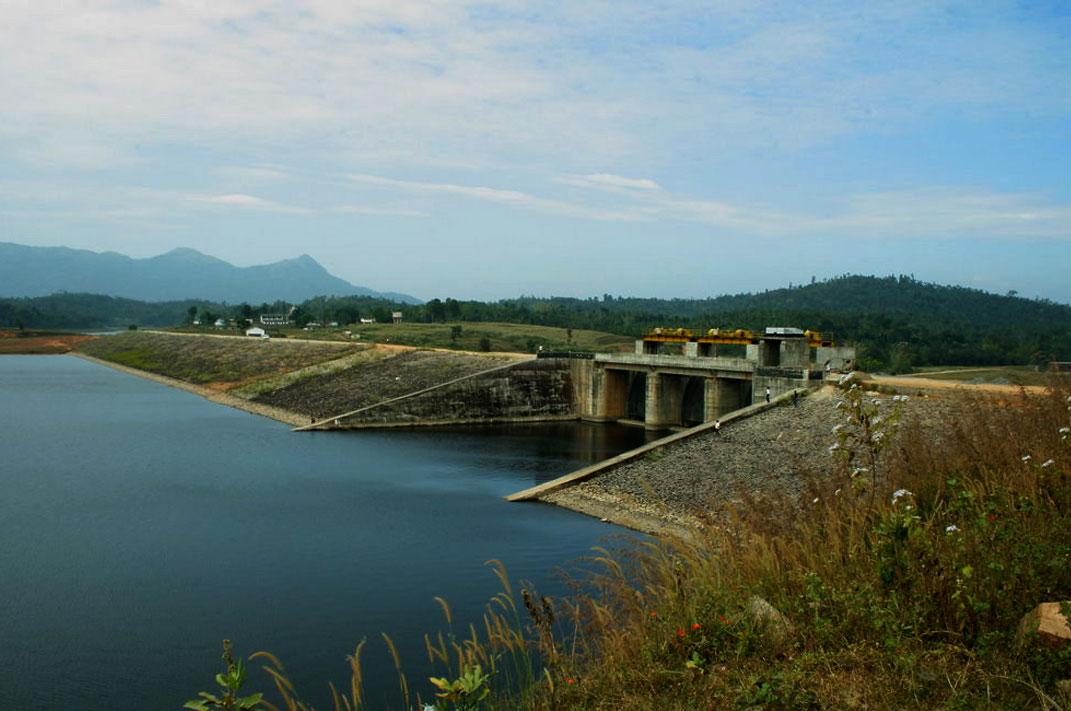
column 486, row 150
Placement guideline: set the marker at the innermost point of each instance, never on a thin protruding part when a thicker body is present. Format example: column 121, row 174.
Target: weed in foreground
column 899, row 587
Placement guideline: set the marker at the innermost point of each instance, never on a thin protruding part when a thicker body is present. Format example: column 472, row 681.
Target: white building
column 256, row 332
column 274, row 320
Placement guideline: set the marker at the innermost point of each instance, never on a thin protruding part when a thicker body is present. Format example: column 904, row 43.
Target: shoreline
column 273, row 413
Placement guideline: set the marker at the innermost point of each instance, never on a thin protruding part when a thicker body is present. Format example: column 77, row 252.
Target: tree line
column 896, row 322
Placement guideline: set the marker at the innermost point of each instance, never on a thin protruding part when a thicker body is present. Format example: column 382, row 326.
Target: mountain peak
column 178, row 274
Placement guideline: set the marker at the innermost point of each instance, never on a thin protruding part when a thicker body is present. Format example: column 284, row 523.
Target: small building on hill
column 256, row 332
column 396, row 316
column 274, row 320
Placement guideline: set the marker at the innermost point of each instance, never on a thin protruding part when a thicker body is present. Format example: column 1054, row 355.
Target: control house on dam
column 676, row 378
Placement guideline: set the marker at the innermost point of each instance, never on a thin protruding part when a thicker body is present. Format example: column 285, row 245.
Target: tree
column 436, row 311
column 455, row 332
column 192, row 314
column 485, row 344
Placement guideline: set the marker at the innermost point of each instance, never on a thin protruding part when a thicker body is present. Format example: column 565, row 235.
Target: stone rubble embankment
column 768, row 456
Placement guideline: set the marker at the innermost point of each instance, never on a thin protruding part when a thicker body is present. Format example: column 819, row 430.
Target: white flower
column 876, row 401
column 951, row 529
column 877, row 437
column 903, row 398
column 1047, row 463
column 877, row 420
column 1065, row 430
column 1026, row 457
column 815, row 500
column 900, row 493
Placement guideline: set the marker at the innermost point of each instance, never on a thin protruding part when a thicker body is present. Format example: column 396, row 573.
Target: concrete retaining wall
column 530, row 391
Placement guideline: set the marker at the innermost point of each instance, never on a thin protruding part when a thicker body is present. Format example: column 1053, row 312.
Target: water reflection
column 142, row 524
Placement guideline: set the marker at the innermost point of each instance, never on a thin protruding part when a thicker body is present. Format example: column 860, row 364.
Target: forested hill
column 896, row 321
column 892, row 296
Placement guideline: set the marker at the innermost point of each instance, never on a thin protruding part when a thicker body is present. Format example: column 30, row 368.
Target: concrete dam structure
column 664, row 390
column 650, row 387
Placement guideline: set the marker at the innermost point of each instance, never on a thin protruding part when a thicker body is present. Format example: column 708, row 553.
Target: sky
column 485, row 150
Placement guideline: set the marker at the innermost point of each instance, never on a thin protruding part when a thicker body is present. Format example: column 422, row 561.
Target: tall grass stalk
column 903, row 589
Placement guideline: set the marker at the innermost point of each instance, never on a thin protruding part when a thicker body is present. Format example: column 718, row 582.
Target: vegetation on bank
column 207, row 359
column 900, row 582
column 897, row 323
column 495, row 337
column 31, row 342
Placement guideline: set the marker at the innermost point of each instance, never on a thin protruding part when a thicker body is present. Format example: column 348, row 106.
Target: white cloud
column 378, row 211
column 936, row 212
column 250, row 202
column 253, row 173
column 500, row 196
column 478, row 83
column 609, row 181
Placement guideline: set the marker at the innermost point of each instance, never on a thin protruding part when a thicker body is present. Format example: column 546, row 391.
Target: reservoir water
column 140, row 525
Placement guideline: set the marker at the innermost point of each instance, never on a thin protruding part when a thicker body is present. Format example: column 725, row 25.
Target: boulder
column 778, row 629
column 1048, row 622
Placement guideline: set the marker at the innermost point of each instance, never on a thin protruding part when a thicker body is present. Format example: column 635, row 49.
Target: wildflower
column 991, row 517
column 877, row 437
column 1026, row 457
column 696, row 626
column 896, row 398
column 903, row 398
column 654, row 613
column 815, row 500
column 570, row 680
column 951, row 529
column 900, row 493
column 1065, row 430
column 723, row 619
column 876, row 401
column 680, row 633
column 1047, row 463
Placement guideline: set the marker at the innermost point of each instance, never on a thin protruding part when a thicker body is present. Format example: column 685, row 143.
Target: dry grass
column 881, row 601
column 212, row 359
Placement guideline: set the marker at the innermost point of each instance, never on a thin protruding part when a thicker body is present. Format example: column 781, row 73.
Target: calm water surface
column 139, row 525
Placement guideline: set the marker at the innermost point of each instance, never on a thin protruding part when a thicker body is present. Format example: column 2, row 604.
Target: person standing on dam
column 767, row 393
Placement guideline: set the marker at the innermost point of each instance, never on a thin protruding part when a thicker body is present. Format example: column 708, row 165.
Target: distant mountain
column 179, row 274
